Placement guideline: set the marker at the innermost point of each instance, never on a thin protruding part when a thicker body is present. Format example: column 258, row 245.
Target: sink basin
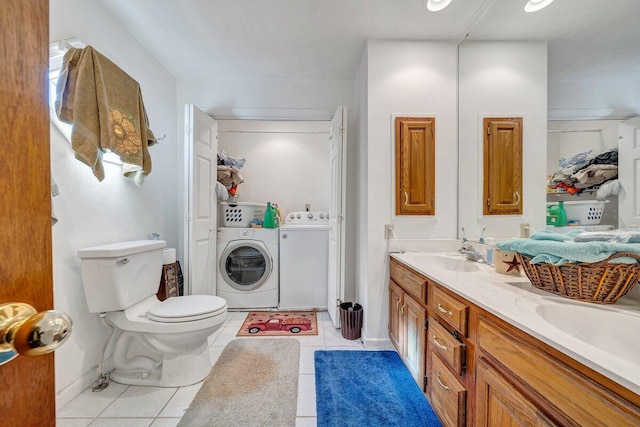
column 609, row 330
column 441, row 262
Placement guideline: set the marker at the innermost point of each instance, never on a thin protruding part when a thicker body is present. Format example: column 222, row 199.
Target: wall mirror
column 592, row 84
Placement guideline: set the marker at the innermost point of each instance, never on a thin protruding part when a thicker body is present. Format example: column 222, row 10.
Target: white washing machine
column 304, row 261
column 248, row 267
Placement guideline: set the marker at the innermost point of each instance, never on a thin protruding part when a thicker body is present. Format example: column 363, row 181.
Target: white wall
column 286, row 162
column 91, row 212
column 594, row 99
column 502, row 79
column 410, row 79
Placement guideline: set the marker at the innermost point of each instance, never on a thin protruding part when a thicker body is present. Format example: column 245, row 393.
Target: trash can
column 350, row 320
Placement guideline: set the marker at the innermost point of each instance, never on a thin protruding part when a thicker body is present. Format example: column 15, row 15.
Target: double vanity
column 490, row 349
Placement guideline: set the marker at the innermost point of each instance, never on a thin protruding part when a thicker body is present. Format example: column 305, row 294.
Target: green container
column 557, row 215
column 271, row 219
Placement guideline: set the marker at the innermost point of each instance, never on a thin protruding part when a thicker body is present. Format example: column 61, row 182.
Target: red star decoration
column 513, row 264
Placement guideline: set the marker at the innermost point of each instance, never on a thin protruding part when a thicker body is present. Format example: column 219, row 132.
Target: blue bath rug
column 368, row 388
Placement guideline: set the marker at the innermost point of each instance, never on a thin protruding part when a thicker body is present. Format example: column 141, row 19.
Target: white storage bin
column 240, row 214
column 588, row 212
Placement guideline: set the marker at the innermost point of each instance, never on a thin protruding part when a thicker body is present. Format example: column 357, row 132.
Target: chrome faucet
column 472, row 255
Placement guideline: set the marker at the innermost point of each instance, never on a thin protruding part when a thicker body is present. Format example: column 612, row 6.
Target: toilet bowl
column 159, row 343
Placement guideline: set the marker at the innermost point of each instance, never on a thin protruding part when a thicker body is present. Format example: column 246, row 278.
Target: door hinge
column 341, row 131
column 488, row 130
column 188, row 129
column 489, row 202
column 338, row 302
column 425, row 382
column 426, row 324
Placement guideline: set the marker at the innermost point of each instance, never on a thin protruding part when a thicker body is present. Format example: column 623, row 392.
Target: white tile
column 227, row 335
column 214, row 353
column 139, row 401
column 90, row 404
column 306, row 422
column 307, row 365
column 73, row 422
column 333, row 338
column 306, row 396
column 122, row 422
column 165, row 422
column 312, row 340
column 237, row 319
column 180, row 401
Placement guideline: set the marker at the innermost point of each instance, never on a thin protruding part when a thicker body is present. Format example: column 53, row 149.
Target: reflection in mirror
column 591, row 79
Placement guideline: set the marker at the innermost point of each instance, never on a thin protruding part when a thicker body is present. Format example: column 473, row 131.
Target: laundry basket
column 240, row 214
column 588, row 212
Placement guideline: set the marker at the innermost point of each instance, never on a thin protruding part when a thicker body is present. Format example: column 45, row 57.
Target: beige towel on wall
column 105, row 107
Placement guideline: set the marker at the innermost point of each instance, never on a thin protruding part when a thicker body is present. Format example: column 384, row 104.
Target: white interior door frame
column 629, row 173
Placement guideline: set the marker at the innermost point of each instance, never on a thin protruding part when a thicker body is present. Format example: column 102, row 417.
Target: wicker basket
column 599, row 282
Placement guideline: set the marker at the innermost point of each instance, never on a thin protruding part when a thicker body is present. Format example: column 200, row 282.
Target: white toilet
column 159, row 343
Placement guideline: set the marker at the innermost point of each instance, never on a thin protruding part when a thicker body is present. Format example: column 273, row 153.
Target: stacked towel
column 559, row 249
column 105, row 107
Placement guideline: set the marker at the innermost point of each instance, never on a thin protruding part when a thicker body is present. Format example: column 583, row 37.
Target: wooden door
column 201, row 203
column 415, row 337
column 500, row 404
column 502, row 166
column 415, row 165
column 27, row 396
column 395, row 318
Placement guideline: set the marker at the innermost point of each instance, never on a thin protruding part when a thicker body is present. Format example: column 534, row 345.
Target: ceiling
column 324, row 39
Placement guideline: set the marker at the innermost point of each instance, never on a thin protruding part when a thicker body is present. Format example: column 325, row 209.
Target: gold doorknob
column 25, row 331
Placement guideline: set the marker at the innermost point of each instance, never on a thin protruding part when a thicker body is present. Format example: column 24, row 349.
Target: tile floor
column 134, row 406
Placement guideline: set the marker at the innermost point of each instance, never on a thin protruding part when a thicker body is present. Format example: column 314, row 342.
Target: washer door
column 245, row 265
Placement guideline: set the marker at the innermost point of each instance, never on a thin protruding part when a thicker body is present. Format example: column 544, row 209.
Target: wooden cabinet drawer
column 410, row 281
column 448, row 395
column 446, row 345
column 451, row 310
column 566, row 392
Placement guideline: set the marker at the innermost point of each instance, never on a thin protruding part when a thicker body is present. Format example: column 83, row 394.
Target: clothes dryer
column 248, row 267
column 304, row 261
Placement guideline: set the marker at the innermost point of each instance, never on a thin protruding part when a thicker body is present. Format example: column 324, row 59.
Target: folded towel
column 545, row 247
column 105, row 107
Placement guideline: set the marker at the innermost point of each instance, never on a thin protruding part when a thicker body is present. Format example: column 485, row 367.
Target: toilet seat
column 187, row 308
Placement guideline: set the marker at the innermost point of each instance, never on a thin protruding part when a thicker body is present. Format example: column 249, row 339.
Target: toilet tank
column 118, row 275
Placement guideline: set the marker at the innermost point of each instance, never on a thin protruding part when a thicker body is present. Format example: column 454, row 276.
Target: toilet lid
column 187, row 308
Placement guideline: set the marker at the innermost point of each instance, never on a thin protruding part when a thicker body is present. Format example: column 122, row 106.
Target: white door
column 201, row 133
column 337, row 159
column 629, row 173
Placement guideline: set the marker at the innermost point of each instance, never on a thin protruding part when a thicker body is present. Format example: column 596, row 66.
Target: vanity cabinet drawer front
column 450, row 310
column 448, row 395
column 446, row 345
column 574, row 396
column 410, row 281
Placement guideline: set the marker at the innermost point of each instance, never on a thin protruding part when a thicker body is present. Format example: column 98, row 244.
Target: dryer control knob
column 321, row 216
column 310, row 215
column 291, row 216
column 298, row 216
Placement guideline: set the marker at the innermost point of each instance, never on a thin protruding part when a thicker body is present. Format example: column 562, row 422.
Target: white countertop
column 613, row 353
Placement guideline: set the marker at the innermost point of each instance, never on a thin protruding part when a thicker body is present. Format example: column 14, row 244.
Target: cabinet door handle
column 402, row 309
column 436, row 341
column 444, row 310
column 444, row 386
column 517, row 195
column 398, row 306
column 406, row 198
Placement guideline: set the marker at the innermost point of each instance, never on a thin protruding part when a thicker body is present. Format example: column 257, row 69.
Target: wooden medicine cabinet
column 502, row 166
column 415, row 165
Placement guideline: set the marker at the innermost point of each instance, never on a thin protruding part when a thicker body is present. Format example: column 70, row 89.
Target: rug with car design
column 279, row 323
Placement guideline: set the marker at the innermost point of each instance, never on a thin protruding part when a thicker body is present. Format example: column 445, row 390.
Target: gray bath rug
column 253, row 383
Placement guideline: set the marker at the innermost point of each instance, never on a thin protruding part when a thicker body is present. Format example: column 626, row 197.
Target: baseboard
column 377, row 343
column 70, row 392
